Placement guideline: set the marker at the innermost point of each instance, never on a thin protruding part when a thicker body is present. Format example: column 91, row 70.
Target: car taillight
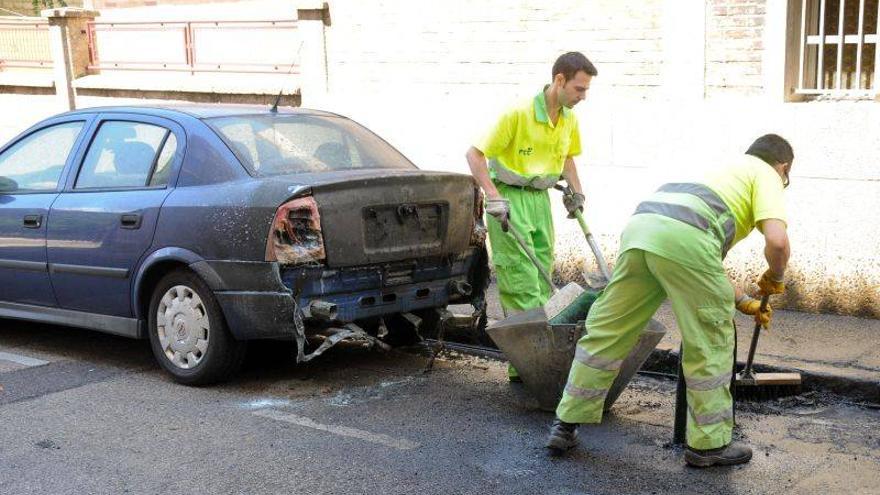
column 295, row 236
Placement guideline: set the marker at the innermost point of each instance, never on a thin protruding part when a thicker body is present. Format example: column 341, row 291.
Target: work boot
column 563, row 437
column 730, row 454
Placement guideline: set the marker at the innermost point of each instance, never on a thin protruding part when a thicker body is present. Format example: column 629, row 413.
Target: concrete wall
column 683, row 85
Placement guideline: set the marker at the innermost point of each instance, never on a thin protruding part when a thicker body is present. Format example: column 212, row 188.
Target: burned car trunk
column 392, row 242
column 395, row 216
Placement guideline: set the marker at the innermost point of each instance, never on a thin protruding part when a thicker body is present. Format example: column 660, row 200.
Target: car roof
column 203, row 111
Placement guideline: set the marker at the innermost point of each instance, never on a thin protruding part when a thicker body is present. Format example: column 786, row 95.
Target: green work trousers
column 520, row 285
column 703, row 305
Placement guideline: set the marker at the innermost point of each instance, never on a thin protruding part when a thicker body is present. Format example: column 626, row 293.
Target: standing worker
column 530, row 147
column 673, row 247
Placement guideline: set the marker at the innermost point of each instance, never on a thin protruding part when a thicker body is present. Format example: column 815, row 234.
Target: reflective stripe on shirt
column 689, row 216
column 511, row 178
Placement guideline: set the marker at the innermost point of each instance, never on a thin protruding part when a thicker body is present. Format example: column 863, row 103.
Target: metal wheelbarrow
column 540, row 343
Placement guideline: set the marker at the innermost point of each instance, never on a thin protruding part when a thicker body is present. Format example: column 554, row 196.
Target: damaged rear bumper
column 377, row 290
column 257, row 298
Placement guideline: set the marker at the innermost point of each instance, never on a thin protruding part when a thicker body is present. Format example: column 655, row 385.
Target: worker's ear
column 559, row 79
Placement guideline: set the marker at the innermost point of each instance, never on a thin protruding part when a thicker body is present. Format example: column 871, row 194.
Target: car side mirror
column 7, row 185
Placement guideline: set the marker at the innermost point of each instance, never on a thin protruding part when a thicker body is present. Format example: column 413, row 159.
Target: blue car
column 204, row 227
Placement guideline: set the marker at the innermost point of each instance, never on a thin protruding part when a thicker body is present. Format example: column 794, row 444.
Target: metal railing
column 852, row 73
column 203, row 46
column 24, row 43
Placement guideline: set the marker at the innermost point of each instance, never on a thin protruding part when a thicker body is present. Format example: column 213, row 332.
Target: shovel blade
column 562, row 299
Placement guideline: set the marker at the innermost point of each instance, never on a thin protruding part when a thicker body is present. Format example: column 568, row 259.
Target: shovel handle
column 600, row 260
column 531, row 255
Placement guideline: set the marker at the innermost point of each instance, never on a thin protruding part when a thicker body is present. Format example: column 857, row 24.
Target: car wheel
column 188, row 333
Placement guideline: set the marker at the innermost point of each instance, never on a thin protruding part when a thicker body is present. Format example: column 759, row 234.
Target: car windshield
column 288, row 144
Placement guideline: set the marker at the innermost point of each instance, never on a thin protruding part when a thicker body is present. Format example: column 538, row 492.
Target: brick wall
column 494, row 42
column 734, row 45
column 452, row 66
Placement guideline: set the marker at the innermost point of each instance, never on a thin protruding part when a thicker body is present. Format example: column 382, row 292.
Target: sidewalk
column 834, row 353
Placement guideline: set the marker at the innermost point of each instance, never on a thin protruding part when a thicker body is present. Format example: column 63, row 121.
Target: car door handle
column 33, row 221
column 130, row 221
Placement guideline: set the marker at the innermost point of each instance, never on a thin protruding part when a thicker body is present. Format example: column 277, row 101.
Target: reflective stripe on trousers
column 703, row 305
column 711, row 419
column 708, row 383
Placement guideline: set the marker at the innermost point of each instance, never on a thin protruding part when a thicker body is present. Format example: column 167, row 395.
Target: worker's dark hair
column 772, row 149
column 569, row 64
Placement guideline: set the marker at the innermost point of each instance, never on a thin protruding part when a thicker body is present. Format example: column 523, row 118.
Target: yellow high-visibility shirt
column 524, row 141
column 751, row 189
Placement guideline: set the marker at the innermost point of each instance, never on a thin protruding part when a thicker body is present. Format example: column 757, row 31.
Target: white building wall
column 683, row 84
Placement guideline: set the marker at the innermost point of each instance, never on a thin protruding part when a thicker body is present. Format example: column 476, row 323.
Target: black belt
column 524, row 188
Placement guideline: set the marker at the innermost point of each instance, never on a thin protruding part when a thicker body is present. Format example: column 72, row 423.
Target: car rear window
column 286, row 144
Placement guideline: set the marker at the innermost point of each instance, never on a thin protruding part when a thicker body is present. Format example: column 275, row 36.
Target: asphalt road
column 85, row 413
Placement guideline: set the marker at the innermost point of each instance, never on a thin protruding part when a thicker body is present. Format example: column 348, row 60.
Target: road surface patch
column 37, row 381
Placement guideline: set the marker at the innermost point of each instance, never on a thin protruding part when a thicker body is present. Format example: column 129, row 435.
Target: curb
column 855, row 389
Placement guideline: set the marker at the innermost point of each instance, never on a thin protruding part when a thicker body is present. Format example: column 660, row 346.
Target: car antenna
column 274, row 108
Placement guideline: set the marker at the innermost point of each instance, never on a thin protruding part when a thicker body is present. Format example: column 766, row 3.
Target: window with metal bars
column 838, row 48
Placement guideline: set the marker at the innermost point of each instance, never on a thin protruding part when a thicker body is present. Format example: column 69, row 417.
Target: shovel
column 541, row 348
column 561, row 298
column 600, row 260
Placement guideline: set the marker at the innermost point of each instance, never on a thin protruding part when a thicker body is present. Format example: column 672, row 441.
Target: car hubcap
column 182, row 326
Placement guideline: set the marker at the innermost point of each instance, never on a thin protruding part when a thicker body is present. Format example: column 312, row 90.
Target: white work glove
column 499, row 208
column 573, row 202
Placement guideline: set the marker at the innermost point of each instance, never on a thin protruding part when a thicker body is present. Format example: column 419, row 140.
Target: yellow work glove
column 769, row 285
column 749, row 306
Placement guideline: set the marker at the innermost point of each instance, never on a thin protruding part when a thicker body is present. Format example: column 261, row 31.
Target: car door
column 103, row 222
column 30, row 175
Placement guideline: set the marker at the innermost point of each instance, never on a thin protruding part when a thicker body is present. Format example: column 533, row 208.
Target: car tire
column 190, row 338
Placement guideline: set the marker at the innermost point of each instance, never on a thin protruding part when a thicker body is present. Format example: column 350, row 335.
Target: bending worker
column 673, row 246
column 529, row 148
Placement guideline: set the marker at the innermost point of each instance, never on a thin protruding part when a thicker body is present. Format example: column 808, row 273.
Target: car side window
column 126, row 154
column 163, row 164
column 35, row 163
